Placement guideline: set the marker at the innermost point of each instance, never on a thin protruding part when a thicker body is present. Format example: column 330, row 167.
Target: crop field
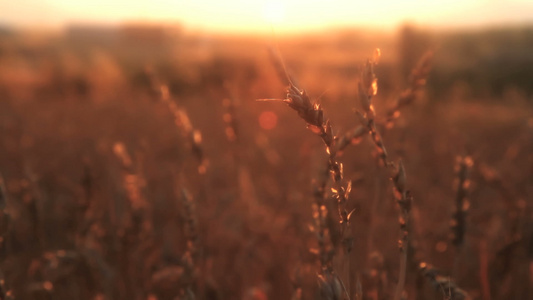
column 146, row 162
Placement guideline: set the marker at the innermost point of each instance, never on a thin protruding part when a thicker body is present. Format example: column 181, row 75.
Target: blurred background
column 482, row 46
column 110, row 110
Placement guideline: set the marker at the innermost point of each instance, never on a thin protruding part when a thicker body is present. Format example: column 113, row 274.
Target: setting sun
column 274, row 11
column 261, row 15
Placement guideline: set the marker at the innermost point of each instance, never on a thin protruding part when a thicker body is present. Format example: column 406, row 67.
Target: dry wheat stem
column 192, row 250
column 181, row 119
column 458, row 221
column 417, row 81
column 313, row 115
column 5, row 292
column 368, row 88
column 404, row 200
column 515, row 204
column 230, row 119
column 442, row 283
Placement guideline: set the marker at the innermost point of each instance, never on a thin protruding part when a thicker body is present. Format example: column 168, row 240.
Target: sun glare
column 261, row 15
column 274, row 11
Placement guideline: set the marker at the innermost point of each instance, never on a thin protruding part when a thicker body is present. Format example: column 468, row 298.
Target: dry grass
column 172, row 182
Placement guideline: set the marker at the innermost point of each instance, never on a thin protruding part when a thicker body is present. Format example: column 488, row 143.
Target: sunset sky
column 263, row 15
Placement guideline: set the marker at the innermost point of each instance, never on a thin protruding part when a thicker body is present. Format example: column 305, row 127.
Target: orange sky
column 262, row 15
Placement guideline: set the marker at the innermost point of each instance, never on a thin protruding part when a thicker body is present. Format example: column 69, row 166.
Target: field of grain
column 145, row 162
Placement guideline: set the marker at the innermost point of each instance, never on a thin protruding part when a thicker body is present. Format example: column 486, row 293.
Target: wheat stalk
column 417, row 81
column 192, row 250
column 181, row 119
column 5, row 292
column 442, row 283
column 313, row 114
column 458, row 222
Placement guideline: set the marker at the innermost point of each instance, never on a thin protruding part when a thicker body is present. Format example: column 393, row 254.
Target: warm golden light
column 274, row 11
column 262, row 15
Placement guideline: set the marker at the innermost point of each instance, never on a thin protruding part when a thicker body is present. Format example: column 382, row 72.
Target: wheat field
column 152, row 163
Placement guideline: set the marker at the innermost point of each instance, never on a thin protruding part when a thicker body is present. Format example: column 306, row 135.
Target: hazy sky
column 260, row 15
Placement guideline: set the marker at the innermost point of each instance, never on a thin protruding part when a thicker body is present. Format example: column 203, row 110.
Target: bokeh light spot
column 441, row 246
column 268, row 120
